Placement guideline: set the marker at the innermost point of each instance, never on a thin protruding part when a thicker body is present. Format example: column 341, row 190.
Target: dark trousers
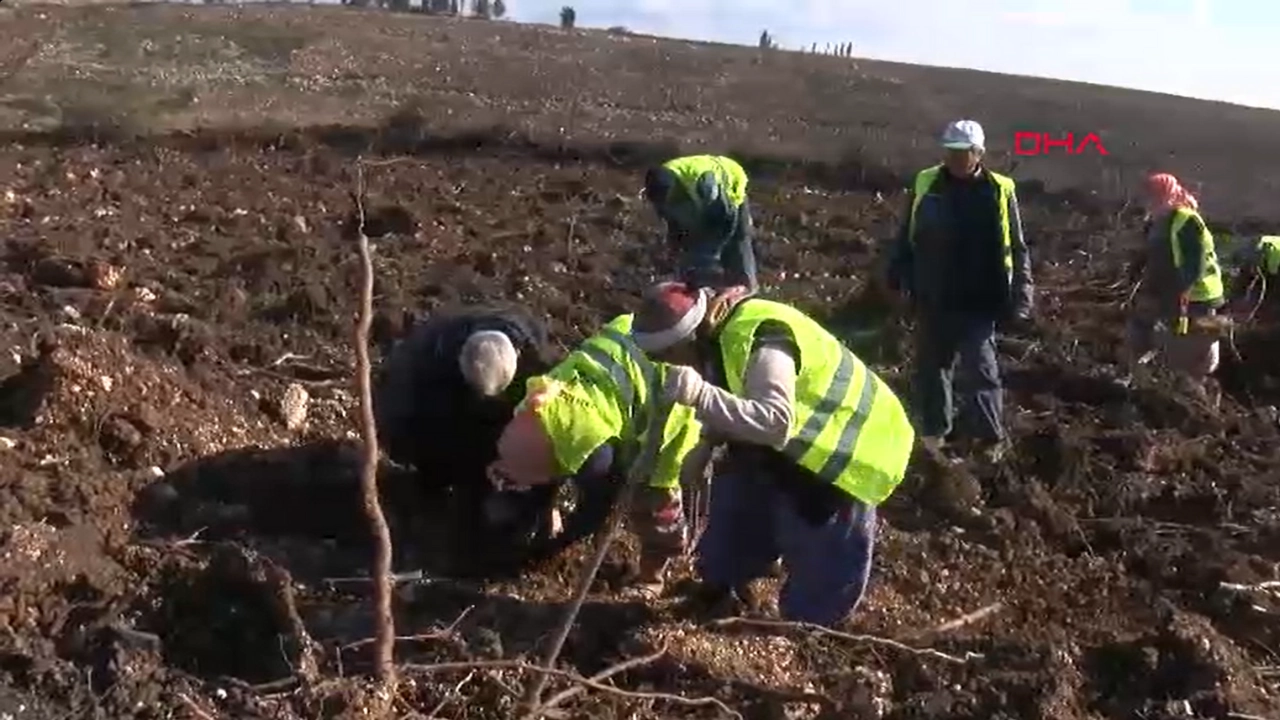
column 753, row 521
column 710, row 261
column 943, row 342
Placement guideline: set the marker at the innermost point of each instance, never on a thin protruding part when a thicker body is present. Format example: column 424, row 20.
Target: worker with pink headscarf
column 1181, row 282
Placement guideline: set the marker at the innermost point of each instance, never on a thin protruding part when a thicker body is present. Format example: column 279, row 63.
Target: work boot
column 650, row 578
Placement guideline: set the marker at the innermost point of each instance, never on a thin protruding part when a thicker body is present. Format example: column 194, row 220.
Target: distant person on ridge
column 961, row 258
column 1181, row 282
column 703, row 200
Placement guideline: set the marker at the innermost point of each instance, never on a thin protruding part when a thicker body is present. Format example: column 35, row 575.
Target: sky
column 1213, row 49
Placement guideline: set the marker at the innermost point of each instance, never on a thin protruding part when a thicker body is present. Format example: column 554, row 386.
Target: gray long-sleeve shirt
column 955, row 262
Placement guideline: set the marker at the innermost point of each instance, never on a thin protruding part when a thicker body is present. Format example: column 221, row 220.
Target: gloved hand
column 683, row 385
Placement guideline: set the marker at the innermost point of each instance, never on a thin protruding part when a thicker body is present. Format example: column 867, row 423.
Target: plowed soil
column 179, row 540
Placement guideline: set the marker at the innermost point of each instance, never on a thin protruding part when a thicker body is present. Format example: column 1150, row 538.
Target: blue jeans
column 753, row 521
column 940, row 343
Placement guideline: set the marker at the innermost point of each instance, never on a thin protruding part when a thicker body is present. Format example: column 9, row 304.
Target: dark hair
column 658, row 183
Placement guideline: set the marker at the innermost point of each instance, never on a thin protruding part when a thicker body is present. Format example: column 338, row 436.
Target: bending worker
column 1181, row 282
column 961, row 259
column 1259, row 266
column 703, row 200
column 585, row 420
column 443, row 396
column 815, row 442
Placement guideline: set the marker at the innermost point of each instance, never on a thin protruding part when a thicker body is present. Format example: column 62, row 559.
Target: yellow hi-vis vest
column 1208, row 286
column 1005, row 188
column 1269, row 254
column 605, row 385
column 849, row 428
column 728, row 173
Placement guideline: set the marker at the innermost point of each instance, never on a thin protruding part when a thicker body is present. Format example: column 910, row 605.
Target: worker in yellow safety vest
column 815, row 441
column 584, row 421
column 703, row 200
column 1258, row 267
column 1181, row 281
column 961, row 260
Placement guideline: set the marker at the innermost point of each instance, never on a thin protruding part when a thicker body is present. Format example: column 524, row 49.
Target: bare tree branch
column 384, row 635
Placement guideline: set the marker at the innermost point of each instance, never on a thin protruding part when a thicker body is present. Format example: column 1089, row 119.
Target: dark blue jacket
column 711, row 238
column 956, row 262
column 428, row 416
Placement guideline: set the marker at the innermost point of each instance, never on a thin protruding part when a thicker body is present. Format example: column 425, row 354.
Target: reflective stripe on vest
column 850, row 428
column 1269, row 252
column 602, row 349
column 610, row 368
column 1208, row 286
column 728, row 173
column 1005, row 188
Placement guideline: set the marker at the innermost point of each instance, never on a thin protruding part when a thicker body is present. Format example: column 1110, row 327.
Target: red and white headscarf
column 1164, row 192
column 669, row 314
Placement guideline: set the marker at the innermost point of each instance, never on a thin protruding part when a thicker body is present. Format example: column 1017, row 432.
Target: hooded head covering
column 669, row 314
column 1164, row 192
column 658, row 184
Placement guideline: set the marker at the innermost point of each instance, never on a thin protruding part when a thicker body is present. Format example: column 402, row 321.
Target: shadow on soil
column 272, row 550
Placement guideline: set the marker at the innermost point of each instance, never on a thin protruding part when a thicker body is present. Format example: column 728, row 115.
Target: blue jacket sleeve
column 901, row 270
column 718, row 220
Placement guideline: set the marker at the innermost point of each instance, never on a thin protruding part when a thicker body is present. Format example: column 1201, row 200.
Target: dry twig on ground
column 384, row 636
column 446, row 632
column 967, row 618
column 588, row 683
column 871, row 639
column 195, row 709
column 601, row 676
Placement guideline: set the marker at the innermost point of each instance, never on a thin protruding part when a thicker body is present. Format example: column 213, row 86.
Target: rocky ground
column 181, row 522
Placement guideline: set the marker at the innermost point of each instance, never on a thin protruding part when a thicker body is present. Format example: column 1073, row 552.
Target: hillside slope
column 159, row 297
column 180, row 66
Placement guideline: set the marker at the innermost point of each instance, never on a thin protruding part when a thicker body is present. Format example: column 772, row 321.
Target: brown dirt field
column 158, row 295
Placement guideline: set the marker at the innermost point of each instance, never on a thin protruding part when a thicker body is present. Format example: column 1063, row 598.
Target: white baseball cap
column 963, row 135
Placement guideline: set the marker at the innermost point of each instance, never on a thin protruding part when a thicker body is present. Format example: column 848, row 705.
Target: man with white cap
column 815, row 441
column 445, row 392
column 961, row 258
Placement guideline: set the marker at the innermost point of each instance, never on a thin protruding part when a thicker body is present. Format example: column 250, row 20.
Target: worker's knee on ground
column 823, row 590
column 827, row 608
